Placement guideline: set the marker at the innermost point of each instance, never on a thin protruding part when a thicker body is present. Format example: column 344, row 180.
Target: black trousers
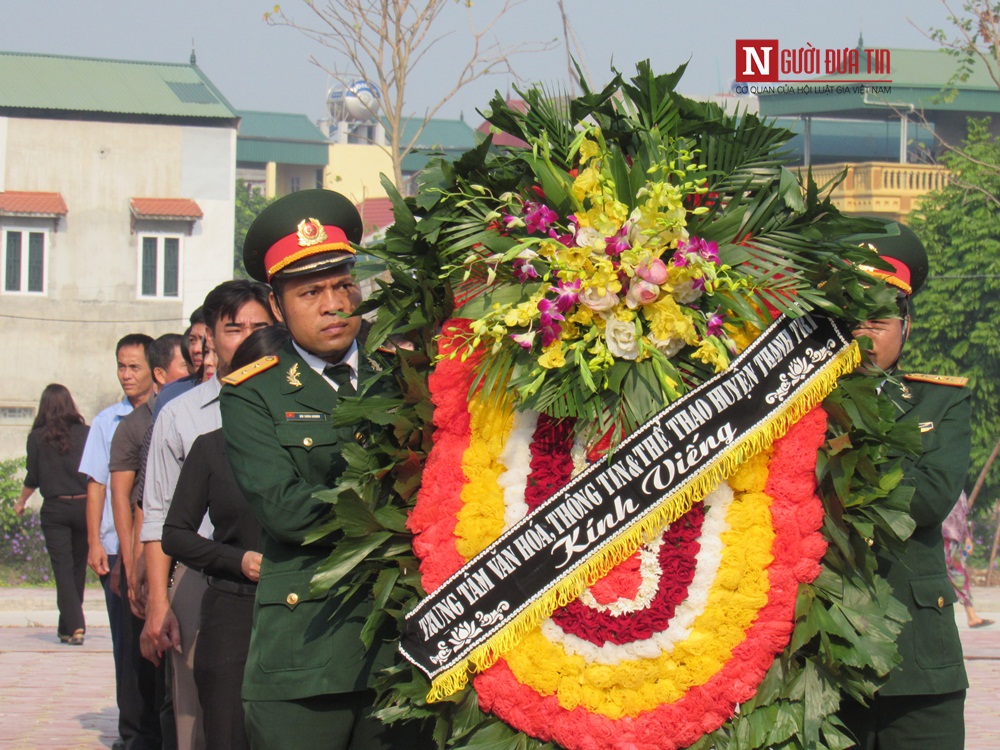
column 330, row 722
column 223, row 641
column 138, row 706
column 907, row 722
column 64, row 524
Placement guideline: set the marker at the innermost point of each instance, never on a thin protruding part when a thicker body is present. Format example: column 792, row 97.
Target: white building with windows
column 117, row 185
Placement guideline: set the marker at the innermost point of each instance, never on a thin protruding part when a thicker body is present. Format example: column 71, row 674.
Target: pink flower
column 654, row 271
column 641, row 292
column 525, row 340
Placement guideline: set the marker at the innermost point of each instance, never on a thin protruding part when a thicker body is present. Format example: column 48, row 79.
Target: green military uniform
column 922, row 704
column 283, row 449
column 308, row 675
column 929, row 644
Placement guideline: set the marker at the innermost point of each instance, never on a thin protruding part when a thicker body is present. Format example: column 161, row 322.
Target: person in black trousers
column 231, row 560
column 55, row 445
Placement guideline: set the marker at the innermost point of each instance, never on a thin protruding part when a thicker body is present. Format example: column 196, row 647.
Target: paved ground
column 56, row 697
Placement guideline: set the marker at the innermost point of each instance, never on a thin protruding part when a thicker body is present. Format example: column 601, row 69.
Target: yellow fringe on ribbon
column 668, row 510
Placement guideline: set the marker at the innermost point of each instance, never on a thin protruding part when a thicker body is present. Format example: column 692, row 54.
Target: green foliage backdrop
column 957, row 313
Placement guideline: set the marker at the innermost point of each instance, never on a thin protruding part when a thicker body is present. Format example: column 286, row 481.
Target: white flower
column 685, row 293
column 670, row 347
column 590, row 237
column 621, row 339
column 598, row 300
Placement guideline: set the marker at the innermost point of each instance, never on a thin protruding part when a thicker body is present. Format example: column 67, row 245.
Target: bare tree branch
column 383, row 42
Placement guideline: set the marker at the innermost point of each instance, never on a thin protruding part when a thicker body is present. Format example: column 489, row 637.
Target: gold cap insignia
column 293, row 375
column 310, row 233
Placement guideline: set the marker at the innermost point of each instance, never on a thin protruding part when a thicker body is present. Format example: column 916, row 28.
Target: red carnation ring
column 665, row 646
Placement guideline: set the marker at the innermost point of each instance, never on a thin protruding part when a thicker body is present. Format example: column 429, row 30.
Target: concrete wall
column 68, row 334
column 354, row 171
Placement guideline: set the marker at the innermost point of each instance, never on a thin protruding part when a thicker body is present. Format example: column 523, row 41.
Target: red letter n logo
column 756, row 60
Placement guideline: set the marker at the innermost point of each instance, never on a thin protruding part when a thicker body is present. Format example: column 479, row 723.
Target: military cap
column 300, row 233
column 903, row 250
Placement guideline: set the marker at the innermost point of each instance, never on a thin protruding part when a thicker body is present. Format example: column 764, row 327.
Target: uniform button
column 940, row 602
column 292, row 599
column 307, row 442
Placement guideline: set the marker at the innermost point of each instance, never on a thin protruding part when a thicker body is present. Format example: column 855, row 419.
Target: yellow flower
column 583, row 315
column 668, row 321
column 587, row 183
column 602, row 359
column 604, row 278
column 573, row 257
column 588, row 150
column 711, row 354
column 552, row 356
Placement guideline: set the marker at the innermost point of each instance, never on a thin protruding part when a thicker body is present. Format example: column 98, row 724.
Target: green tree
column 958, row 309
column 250, row 201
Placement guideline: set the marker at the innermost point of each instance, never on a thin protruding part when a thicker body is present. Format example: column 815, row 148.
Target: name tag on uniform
column 926, row 426
column 304, row 416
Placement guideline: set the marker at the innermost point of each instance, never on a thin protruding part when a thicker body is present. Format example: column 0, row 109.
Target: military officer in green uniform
column 307, row 676
column 922, row 704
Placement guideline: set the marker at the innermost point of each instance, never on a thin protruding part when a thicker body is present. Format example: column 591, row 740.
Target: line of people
column 218, row 641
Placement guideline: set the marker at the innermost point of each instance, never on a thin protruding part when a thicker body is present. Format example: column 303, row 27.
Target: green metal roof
column 54, row 83
column 915, row 77
column 281, row 138
column 279, row 126
column 445, row 135
column 449, row 137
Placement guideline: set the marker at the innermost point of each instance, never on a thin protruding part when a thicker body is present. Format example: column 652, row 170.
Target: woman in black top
column 55, row 446
column 231, row 560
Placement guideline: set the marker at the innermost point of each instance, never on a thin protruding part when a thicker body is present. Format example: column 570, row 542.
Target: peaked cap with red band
column 903, row 250
column 304, row 232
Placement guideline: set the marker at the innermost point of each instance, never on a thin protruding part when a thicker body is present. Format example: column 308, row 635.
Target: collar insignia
column 905, row 391
column 376, row 367
column 310, row 233
column 293, row 375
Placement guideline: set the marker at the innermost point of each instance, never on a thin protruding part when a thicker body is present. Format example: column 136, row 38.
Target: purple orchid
column 617, row 243
column 698, row 247
column 523, row 271
column 538, row 217
column 567, row 295
column 547, row 321
column 714, row 325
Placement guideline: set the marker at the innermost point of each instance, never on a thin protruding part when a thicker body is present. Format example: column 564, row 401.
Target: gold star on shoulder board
column 293, row 375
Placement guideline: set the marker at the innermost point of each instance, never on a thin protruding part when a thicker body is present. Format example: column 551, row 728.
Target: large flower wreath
column 558, row 296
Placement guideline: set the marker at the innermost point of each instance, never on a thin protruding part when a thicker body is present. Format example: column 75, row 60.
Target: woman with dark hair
column 55, row 445
column 230, row 559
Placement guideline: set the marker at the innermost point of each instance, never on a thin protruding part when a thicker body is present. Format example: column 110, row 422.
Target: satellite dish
column 357, row 102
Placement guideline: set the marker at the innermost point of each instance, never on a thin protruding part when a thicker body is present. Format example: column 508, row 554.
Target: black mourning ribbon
column 340, row 374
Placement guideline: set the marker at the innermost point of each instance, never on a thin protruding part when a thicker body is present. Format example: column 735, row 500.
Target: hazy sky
column 260, row 67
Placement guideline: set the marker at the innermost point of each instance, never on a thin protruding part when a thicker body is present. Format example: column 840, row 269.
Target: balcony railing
column 884, row 188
